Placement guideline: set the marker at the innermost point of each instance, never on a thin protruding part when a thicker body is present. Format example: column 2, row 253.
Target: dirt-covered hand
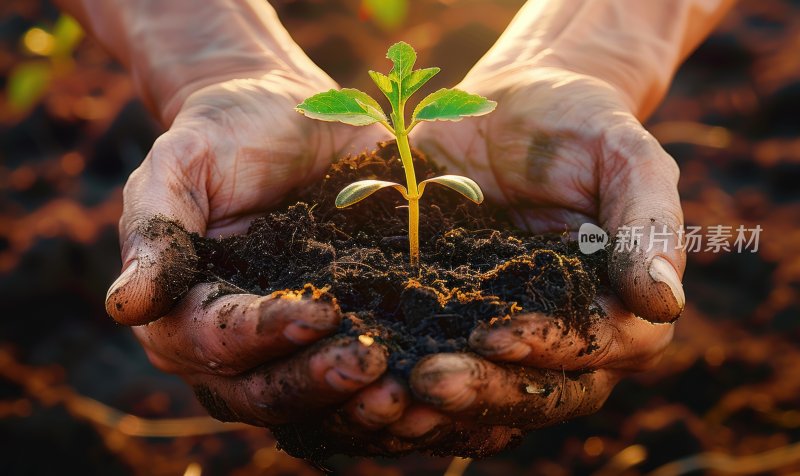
column 385, row 419
column 560, row 373
column 234, row 149
column 562, row 149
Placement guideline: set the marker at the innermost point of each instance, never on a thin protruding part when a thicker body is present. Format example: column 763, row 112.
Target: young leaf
column 463, row 185
column 451, row 105
column 403, row 57
column 357, row 191
column 402, row 81
column 382, row 81
column 417, row 79
column 350, row 106
column 388, row 87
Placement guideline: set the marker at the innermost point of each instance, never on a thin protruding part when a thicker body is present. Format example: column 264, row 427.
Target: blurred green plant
column 52, row 50
column 387, row 14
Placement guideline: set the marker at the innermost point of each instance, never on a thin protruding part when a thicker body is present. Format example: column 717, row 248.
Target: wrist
column 636, row 78
column 634, row 46
column 176, row 47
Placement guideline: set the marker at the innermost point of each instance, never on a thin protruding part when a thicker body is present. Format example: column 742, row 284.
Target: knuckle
column 671, row 169
column 215, row 404
column 630, row 149
column 181, row 144
column 605, row 351
column 181, row 154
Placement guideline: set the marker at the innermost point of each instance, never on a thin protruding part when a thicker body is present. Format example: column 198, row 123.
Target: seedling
column 357, row 108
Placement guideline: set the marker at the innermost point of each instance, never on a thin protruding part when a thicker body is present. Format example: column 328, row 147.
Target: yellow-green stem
column 413, row 231
column 411, row 184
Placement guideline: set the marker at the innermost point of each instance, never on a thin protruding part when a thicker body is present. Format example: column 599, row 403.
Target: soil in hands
column 476, row 267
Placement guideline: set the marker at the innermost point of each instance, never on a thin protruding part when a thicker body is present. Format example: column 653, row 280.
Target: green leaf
column 463, row 185
column 357, row 191
column 451, row 105
column 388, row 87
column 403, row 57
column 417, row 79
column 382, row 81
column 350, row 106
column 402, row 80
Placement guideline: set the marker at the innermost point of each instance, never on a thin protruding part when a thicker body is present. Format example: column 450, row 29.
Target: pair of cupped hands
column 561, row 149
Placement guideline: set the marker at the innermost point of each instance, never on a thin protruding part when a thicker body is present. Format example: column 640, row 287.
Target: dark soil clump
column 476, row 267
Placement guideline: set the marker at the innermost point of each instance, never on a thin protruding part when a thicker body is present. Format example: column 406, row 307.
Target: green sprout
column 357, row 108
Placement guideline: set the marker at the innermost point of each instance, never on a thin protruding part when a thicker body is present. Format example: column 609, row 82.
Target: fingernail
column 342, row 381
column 447, row 384
column 499, row 343
column 300, row 333
column 355, row 366
column 314, row 320
column 662, row 271
column 123, row 278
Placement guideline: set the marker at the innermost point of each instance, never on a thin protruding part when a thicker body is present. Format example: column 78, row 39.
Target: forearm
column 634, row 45
column 175, row 47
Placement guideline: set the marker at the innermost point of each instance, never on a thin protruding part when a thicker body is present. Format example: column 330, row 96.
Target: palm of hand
column 242, row 144
column 541, row 151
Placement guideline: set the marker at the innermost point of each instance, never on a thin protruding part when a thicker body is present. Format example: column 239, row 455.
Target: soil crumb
column 476, row 268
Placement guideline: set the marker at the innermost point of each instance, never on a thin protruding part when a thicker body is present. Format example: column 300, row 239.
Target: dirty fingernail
column 662, row 271
column 123, row 279
column 446, row 383
column 341, row 381
column 355, row 366
column 319, row 316
column 301, row 333
column 499, row 344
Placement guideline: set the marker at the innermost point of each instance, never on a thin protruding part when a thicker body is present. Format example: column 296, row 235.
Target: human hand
column 235, row 148
column 560, row 150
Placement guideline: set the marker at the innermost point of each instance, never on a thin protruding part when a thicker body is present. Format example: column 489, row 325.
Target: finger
column 321, row 376
column 160, row 206
column 422, row 427
column 336, row 434
column 615, row 339
column 420, row 421
column 378, row 405
column 232, row 333
column 640, row 207
column 467, row 439
column 469, row 386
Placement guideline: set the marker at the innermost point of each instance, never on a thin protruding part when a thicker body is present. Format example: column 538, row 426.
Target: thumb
column 640, row 208
column 160, row 207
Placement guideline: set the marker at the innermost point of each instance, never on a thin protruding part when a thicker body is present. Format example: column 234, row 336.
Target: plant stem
column 411, row 184
column 413, row 231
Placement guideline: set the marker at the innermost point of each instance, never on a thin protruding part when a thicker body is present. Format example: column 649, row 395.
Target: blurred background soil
column 78, row 396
